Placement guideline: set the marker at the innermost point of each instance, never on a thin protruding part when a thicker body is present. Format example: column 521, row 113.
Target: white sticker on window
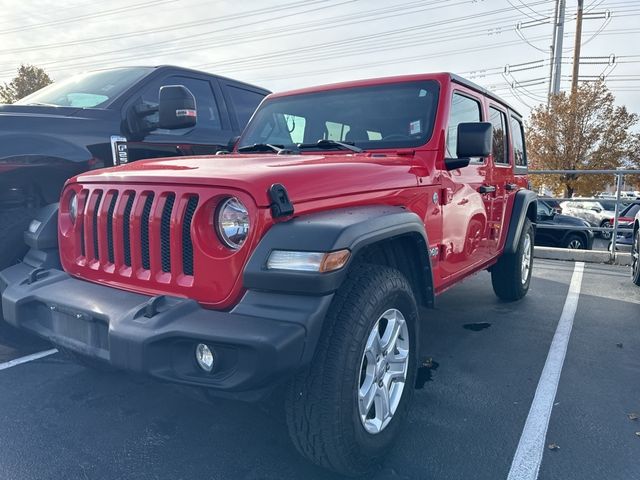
column 415, row 127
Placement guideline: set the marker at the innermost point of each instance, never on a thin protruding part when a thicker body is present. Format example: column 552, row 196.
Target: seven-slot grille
column 129, row 229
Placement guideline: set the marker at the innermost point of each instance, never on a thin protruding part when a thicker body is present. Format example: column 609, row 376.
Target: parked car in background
column 99, row 119
column 575, row 236
column 553, row 203
column 597, row 212
column 624, row 240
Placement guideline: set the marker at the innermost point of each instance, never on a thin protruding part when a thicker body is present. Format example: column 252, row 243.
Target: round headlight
column 232, row 223
column 73, row 206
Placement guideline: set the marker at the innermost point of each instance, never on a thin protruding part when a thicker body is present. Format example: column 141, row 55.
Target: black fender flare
column 346, row 228
column 524, row 205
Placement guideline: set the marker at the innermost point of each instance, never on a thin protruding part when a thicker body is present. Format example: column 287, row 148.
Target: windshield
column 382, row 116
column 87, row 90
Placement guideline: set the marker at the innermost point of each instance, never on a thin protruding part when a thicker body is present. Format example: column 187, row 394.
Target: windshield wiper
column 331, row 144
column 264, row 147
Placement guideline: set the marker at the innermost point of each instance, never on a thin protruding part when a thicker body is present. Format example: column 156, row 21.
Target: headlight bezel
column 72, row 206
column 219, row 222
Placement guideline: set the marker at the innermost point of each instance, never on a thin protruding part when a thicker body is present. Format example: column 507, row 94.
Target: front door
column 468, row 197
column 211, row 134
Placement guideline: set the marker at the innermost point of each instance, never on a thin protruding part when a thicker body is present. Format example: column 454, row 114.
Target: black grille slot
column 82, row 203
column 112, row 207
column 144, row 231
column 126, row 230
column 96, row 209
column 165, row 233
column 187, row 243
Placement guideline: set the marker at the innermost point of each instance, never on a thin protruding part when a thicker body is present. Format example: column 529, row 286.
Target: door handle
column 487, row 189
column 510, row 186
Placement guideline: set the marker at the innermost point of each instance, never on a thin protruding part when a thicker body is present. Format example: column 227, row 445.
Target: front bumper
column 264, row 339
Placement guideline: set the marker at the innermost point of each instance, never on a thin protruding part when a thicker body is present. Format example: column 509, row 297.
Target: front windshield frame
column 429, row 88
column 51, row 94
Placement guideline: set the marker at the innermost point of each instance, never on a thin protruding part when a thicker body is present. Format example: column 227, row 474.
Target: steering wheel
column 396, row 136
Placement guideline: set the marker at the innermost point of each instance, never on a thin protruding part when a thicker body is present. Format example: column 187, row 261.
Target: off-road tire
column 572, row 238
column 322, row 401
column 506, row 275
column 85, row 361
column 13, row 223
column 635, row 258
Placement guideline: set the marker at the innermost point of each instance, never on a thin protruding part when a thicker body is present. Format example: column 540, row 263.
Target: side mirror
column 474, row 140
column 177, row 108
column 596, row 209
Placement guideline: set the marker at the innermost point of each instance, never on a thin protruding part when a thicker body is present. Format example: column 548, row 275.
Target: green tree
column 581, row 131
column 29, row 79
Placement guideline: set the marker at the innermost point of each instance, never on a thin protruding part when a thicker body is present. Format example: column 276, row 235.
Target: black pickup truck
column 99, row 119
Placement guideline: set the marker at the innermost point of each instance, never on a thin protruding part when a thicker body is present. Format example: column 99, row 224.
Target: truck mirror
column 474, row 139
column 177, row 108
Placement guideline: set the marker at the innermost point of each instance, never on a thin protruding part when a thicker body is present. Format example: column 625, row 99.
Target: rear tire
column 511, row 276
column 635, row 258
column 325, row 402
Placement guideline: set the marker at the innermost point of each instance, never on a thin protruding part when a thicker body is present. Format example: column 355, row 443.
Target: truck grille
column 137, row 229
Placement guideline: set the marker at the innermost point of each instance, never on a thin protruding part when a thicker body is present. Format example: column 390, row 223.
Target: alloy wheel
column 527, row 256
column 383, row 371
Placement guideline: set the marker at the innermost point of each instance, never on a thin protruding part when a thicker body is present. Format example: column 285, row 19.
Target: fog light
column 204, row 357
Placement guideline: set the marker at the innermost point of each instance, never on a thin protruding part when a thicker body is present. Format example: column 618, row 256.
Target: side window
column 295, row 126
column 463, row 110
column 519, row 150
column 500, row 139
column 245, row 103
column 208, row 113
column 336, row 131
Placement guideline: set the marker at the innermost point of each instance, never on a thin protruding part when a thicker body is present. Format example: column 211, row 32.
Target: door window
column 245, row 103
column 463, row 110
column 500, row 139
column 208, row 113
column 517, row 135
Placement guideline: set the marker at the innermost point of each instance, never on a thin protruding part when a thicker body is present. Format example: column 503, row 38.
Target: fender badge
column 435, row 198
column 433, row 252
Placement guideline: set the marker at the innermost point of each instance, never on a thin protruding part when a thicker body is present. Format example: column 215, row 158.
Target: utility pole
column 576, row 49
column 552, row 48
column 557, row 70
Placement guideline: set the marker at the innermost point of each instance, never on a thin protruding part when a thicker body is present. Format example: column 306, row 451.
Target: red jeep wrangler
column 300, row 259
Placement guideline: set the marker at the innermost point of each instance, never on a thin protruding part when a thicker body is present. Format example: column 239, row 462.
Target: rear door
column 465, row 220
column 242, row 101
column 501, row 176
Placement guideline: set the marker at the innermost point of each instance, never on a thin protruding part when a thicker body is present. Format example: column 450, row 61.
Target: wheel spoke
column 373, row 345
column 367, row 396
column 383, row 407
column 391, row 334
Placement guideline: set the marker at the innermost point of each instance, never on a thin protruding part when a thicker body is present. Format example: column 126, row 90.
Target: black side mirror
column 475, row 139
column 177, row 108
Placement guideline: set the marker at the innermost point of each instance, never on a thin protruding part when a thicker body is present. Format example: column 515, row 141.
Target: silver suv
column 599, row 213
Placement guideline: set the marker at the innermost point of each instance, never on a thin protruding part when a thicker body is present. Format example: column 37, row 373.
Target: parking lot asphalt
column 483, row 361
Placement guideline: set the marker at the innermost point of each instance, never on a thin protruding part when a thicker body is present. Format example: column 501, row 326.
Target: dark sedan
column 575, row 234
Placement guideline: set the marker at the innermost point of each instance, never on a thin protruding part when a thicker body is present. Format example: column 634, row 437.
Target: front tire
column 635, row 258
column 511, row 276
column 575, row 242
column 606, row 234
column 346, row 409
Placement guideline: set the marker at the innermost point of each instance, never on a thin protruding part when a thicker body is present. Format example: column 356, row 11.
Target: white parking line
column 28, row 358
column 528, row 457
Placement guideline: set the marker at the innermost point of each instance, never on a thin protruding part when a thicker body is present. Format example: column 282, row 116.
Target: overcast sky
column 284, row 44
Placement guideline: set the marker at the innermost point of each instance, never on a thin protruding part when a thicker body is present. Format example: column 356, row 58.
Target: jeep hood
column 306, row 177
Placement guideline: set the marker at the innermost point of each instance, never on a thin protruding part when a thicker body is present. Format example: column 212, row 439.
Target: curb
column 588, row 256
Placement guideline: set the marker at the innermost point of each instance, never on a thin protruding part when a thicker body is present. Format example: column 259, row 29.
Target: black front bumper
column 263, row 340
